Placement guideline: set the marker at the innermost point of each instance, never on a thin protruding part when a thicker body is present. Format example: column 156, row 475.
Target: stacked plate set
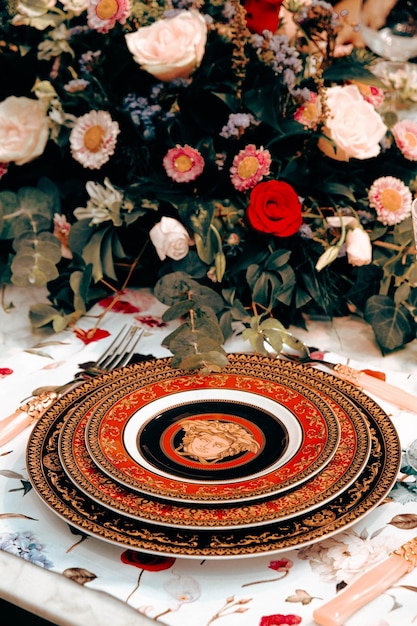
column 265, row 456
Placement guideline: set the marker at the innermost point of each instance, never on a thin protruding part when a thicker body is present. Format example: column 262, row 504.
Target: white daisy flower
column 93, row 139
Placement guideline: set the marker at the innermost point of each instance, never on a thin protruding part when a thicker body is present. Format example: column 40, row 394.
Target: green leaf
column 393, row 326
column 92, row 252
column 197, row 216
column 402, row 293
column 275, row 339
column 205, row 248
column 220, row 265
column 272, row 324
column 30, row 209
column 179, row 286
column 30, row 270
column 42, row 315
column 179, row 309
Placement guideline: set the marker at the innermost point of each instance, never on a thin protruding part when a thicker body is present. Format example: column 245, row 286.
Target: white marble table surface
column 47, row 593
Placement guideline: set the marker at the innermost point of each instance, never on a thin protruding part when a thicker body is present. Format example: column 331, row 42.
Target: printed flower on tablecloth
column 283, row 566
column 146, row 563
column 279, row 619
column 91, row 335
column 26, row 546
column 341, row 558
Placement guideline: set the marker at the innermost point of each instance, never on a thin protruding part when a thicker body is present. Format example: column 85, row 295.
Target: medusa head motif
column 210, row 441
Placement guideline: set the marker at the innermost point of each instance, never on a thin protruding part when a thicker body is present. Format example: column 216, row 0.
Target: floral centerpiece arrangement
column 234, row 156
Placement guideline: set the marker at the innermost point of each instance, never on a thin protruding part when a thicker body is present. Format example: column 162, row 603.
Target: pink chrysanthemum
column 249, row 167
column 391, row 199
column 308, row 114
column 102, row 15
column 183, row 164
column 93, row 139
column 4, row 167
column 373, row 95
column 405, row 135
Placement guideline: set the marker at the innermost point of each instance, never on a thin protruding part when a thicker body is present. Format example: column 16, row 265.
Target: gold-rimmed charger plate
column 221, row 438
column 352, row 452
column 74, row 507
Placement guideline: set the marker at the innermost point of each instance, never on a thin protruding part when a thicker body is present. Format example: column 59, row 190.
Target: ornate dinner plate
column 82, row 512
column 225, row 437
column 351, row 454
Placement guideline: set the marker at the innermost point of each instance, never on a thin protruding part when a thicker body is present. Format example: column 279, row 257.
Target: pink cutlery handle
column 361, row 591
column 380, row 388
column 24, row 416
column 13, row 425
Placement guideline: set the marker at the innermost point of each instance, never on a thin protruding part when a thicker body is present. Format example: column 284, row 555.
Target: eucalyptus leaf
column 28, row 269
column 179, row 309
column 275, row 339
column 41, row 315
column 273, row 324
column 207, row 362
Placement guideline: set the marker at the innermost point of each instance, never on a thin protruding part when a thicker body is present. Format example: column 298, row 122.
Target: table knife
column 368, row 586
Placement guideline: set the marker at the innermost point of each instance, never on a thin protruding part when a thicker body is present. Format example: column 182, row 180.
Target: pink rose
column 24, row 130
column 353, row 124
column 170, row 239
column 172, row 47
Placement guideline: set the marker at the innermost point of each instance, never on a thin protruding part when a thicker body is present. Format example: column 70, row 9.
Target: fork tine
column 121, row 349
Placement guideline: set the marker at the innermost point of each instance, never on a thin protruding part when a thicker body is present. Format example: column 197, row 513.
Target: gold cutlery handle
column 380, row 388
column 25, row 415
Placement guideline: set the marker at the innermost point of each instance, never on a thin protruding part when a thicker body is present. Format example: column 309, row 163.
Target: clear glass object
column 411, row 454
column 389, row 28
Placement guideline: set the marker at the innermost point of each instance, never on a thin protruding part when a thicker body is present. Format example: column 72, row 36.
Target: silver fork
column 117, row 354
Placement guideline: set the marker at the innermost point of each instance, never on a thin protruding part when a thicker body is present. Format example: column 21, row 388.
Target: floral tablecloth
column 284, row 588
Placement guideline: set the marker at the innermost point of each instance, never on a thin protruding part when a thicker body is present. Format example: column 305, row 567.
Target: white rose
column 24, row 130
column 353, row 124
column 172, row 47
column 358, row 247
column 170, row 239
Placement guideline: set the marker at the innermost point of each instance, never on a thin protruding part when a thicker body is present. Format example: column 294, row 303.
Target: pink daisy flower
column 3, row 169
column 93, row 139
column 249, row 167
column 405, row 135
column 391, row 199
column 102, row 15
column 373, row 95
column 183, row 164
column 308, row 114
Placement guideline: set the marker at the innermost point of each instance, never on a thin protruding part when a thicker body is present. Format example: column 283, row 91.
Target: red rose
column 274, row 208
column 262, row 15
